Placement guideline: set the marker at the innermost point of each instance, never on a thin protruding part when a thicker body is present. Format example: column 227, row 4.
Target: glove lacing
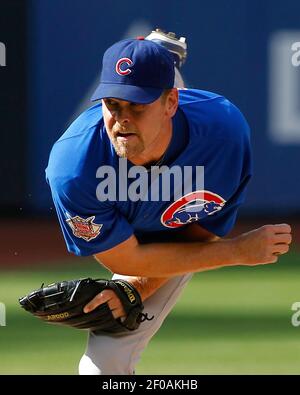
column 144, row 317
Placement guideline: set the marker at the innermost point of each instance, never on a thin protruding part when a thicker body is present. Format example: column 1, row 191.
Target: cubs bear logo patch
column 192, row 207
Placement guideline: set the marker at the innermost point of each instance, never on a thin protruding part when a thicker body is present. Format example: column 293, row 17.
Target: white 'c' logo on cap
column 120, row 62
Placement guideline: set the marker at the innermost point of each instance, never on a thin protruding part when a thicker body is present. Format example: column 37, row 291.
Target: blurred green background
column 228, row 321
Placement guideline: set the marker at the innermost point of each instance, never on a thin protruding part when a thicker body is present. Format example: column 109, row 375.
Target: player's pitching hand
column 263, row 245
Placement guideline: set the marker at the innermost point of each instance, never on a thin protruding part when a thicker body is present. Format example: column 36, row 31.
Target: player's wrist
column 240, row 251
column 136, row 283
column 232, row 252
column 145, row 286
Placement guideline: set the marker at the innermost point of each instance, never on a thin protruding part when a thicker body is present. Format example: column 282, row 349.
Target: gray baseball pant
column 119, row 353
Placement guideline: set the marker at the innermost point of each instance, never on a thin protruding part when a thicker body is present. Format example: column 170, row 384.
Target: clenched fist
column 263, row 245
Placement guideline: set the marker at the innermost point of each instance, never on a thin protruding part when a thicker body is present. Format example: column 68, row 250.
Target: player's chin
column 127, row 149
column 123, row 151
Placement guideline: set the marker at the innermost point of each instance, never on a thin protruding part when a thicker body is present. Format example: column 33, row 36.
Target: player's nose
column 122, row 116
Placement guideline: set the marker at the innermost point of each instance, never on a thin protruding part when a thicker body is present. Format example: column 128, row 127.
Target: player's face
column 140, row 132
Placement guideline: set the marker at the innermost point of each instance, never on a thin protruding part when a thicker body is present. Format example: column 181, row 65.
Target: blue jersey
column 208, row 131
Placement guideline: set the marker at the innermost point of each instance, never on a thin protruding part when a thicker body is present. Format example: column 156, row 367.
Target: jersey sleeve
column 222, row 222
column 229, row 172
column 88, row 226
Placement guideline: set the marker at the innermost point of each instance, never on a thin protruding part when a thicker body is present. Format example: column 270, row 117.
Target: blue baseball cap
column 135, row 70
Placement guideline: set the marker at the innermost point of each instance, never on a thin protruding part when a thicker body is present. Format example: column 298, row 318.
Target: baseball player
column 142, row 121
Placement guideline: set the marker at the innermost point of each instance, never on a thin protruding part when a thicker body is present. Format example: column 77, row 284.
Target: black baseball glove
column 63, row 303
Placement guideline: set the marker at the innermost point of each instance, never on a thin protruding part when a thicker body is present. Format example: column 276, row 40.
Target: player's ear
column 172, row 102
